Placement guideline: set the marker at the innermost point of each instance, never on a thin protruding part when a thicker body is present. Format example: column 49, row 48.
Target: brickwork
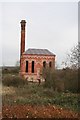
column 22, row 49
column 38, row 64
column 37, row 58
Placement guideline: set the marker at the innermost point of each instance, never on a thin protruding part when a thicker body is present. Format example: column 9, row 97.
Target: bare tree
column 73, row 58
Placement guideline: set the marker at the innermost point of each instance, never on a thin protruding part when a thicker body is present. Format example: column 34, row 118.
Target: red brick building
column 33, row 60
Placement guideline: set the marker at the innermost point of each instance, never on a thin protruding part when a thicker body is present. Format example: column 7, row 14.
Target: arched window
column 32, row 66
column 26, row 66
column 50, row 64
column 44, row 64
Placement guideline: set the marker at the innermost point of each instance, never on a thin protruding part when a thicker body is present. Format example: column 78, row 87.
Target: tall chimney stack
column 23, row 23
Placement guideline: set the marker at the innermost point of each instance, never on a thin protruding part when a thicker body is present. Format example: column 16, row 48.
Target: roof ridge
column 38, row 51
column 38, row 48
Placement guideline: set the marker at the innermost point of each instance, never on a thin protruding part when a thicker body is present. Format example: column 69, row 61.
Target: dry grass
column 33, row 94
column 8, row 90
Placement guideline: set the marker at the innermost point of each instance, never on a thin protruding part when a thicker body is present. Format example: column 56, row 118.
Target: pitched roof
column 38, row 52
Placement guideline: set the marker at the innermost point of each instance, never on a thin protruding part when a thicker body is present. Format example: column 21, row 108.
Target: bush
column 53, row 79
column 71, row 80
column 61, row 80
column 10, row 70
column 47, row 74
column 14, row 81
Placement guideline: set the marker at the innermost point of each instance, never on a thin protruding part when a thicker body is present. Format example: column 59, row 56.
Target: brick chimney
column 23, row 23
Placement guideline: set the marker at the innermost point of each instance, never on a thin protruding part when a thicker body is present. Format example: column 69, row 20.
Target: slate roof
column 38, row 52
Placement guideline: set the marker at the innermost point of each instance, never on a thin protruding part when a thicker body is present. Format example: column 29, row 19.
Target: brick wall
column 38, row 64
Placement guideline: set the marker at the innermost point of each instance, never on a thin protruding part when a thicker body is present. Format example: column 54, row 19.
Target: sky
column 50, row 25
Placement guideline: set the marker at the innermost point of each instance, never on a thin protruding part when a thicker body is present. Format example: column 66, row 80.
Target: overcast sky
column 50, row 25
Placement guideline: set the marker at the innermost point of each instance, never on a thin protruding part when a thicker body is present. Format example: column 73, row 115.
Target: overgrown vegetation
column 33, row 94
column 61, row 80
column 13, row 80
column 60, row 88
column 10, row 70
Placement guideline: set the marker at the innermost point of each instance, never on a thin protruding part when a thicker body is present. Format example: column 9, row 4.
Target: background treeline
column 10, row 70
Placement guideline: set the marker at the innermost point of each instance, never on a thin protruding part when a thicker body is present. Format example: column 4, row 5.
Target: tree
column 73, row 58
column 73, row 62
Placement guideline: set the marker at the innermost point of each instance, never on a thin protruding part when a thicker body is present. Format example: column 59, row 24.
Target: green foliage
column 33, row 94
column 11, row 80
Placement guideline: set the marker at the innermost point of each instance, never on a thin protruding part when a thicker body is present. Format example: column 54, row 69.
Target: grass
column 35, row 94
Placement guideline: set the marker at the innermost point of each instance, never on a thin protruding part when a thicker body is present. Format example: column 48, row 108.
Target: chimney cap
column 23, row 21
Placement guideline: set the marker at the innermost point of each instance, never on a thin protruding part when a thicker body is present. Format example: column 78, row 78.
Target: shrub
column 47, row 74
column 15, row 81
column 61, row 80
column 71, row 80
column 53, row 79
column 10, row 70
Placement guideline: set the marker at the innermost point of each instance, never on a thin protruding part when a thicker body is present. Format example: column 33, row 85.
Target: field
column 33, row 100
column 22, row 99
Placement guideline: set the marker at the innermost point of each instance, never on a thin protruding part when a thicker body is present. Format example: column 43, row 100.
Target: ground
column 29, row 111
column 34, row 101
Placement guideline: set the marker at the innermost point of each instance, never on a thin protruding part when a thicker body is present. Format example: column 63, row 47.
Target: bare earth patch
column 30, row 111
column 8, row 90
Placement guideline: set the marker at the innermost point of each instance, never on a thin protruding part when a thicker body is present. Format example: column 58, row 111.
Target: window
column 50, row 64
column 26, row 66
column 32, row 66
column 44, row 64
